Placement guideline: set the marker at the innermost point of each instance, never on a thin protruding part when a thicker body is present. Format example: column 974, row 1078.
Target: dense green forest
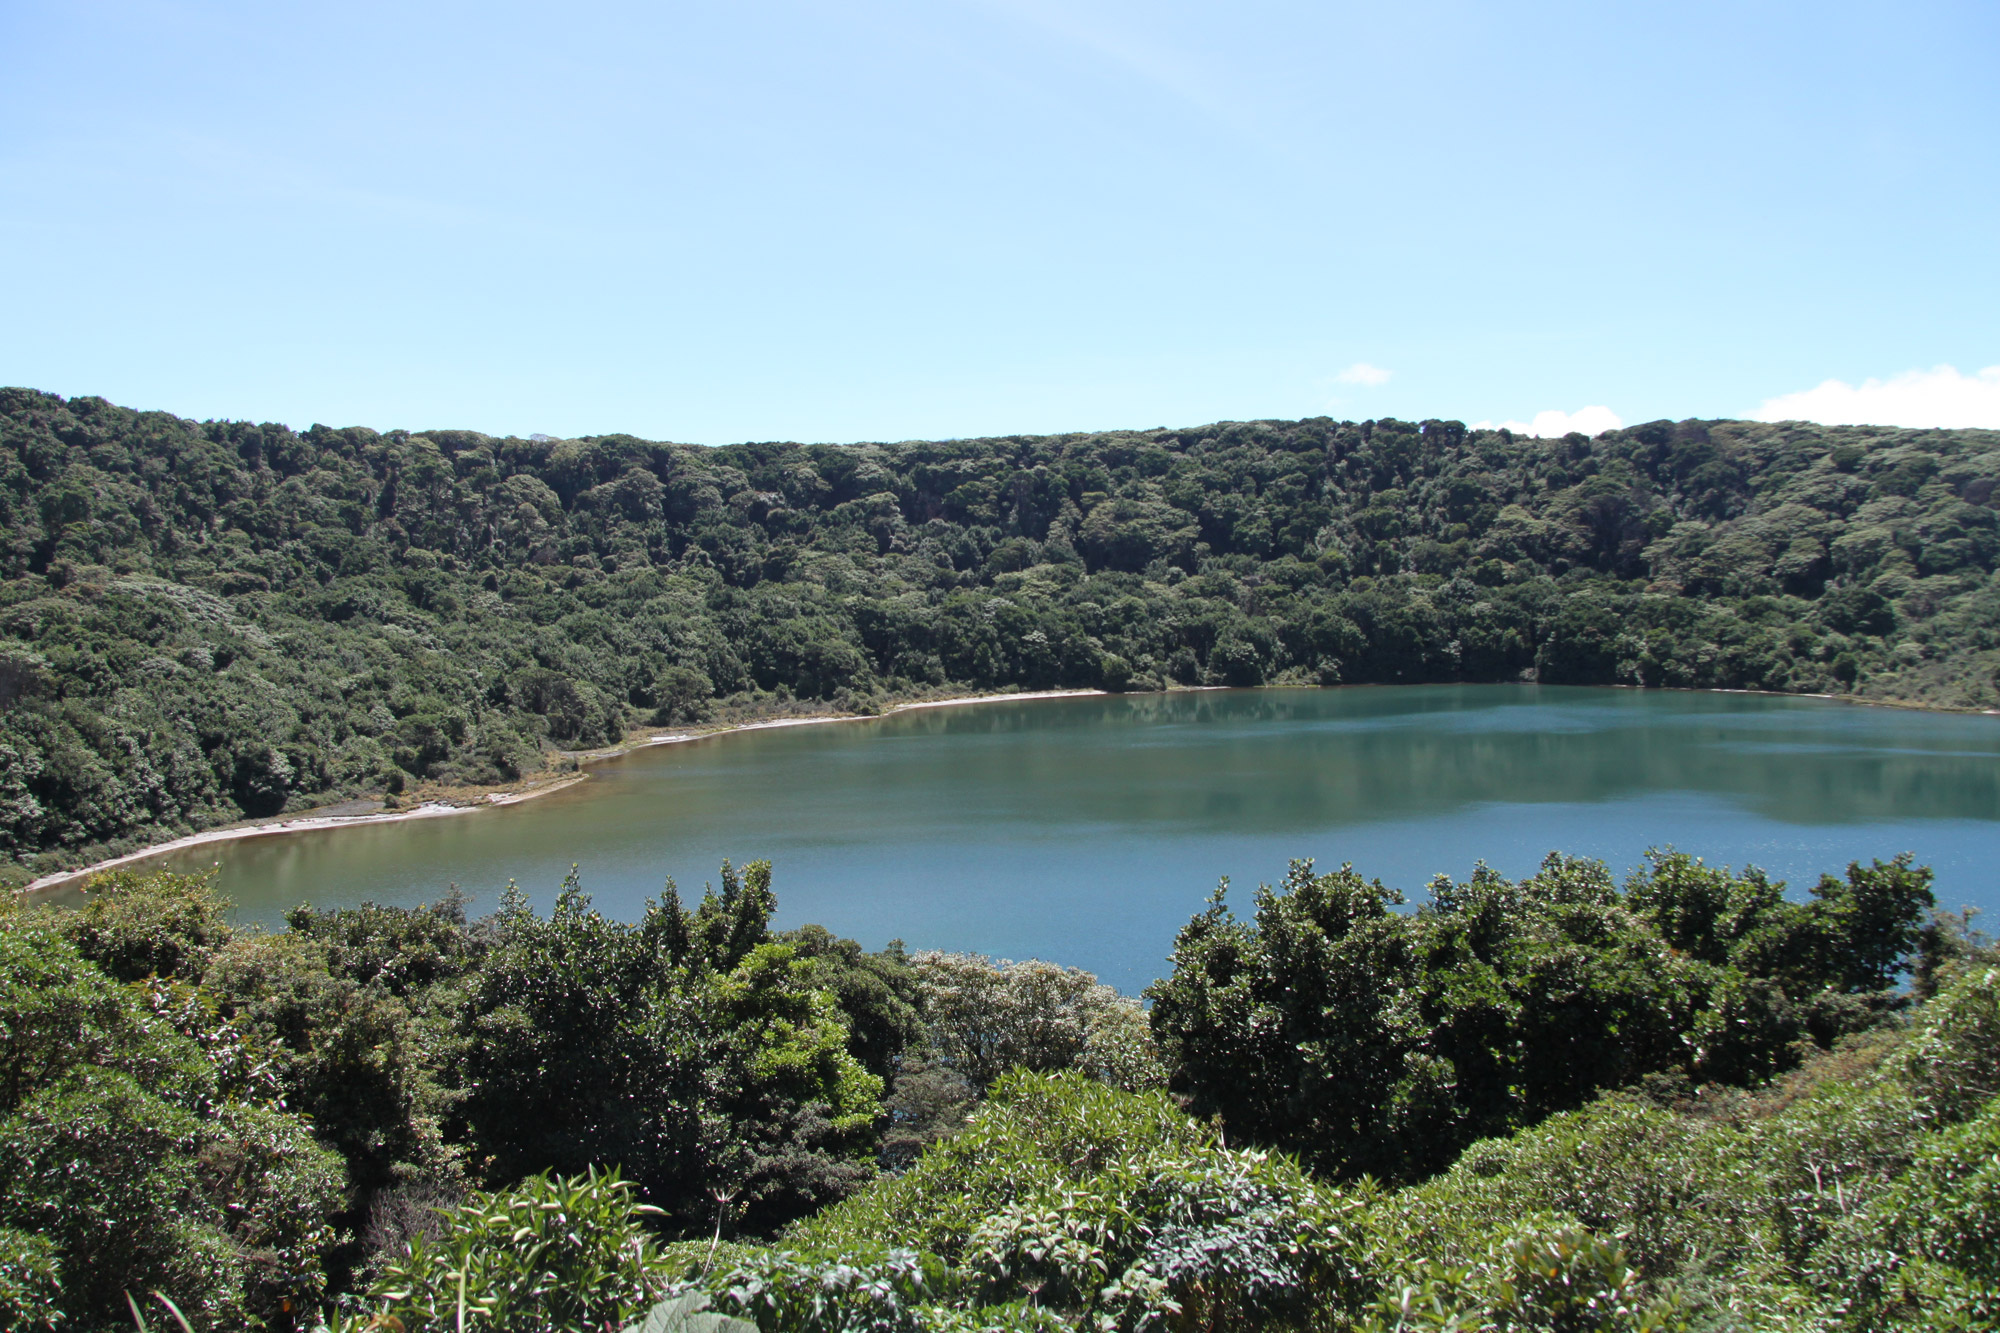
column 205, row 621
column 1562, row 1104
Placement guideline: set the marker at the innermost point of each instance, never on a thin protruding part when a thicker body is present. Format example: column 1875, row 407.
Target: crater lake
column 1088, row 830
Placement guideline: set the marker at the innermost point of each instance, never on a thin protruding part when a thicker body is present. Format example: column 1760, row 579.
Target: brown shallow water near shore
column 360, row 813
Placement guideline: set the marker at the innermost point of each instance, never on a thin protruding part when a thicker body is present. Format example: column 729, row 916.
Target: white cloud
column 1940, row 397
column 1363, row 374
column 1551, row 424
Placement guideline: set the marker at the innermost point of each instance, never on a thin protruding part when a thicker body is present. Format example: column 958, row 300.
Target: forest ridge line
column 207, row 621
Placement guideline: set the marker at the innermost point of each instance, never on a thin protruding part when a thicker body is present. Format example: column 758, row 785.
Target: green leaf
column 688, row 1313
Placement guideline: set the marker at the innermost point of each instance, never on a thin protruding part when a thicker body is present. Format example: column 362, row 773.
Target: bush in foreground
column 1380, row 1042
column 1856, row 1195
column 141, row 1146
column 155, row 1064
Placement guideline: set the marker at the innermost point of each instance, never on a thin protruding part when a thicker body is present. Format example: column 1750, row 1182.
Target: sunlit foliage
column 1688, row 1102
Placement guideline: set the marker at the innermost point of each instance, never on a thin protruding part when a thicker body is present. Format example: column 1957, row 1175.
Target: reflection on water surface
column 1089, row 830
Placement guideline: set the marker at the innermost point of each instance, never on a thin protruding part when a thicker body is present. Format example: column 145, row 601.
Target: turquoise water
column 1089, row 830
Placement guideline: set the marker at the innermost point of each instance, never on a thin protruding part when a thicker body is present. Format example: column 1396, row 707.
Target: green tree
column 1377, row 1042
column 130, row 1148
column 709, row 1061
column 551, row 1252
column 586, row 1046
column 985, row 1018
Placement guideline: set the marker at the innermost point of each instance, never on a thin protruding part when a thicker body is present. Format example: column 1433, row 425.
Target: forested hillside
column 203, row 621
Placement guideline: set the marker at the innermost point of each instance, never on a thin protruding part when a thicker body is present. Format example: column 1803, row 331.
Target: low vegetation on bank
column 207, row 621
column 1563, row 1103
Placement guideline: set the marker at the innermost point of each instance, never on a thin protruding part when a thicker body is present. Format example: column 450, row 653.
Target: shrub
column 1112, row 1206
column 984, row 1018
column 1953, row 1060
column 551, row 1253
column 1370, row 1041
column 144, row 1157
column 1925, row 1251
column 1564, row 1280
column 107, row 1174
column 30, row 1284
column 135, row 926
column 1660, row 1181
column 865, row 1289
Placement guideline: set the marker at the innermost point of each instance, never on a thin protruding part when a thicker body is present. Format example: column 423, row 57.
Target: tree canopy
column 577, row 1117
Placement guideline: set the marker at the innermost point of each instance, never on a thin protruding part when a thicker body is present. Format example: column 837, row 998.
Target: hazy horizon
column 947, row 439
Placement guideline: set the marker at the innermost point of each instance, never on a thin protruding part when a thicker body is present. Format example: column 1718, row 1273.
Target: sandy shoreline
column 309, row 823
column 681, row 739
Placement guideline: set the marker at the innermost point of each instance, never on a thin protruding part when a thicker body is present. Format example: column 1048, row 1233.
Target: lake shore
column 441, row 805
column 318, row 822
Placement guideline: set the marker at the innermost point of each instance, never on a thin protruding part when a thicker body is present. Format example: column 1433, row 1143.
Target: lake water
column 1088, row 830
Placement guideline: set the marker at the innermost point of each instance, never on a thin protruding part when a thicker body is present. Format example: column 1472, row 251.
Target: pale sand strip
column 439, row 809
column 838, row 717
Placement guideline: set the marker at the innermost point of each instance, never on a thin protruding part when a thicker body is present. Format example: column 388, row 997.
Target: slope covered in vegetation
column 1684, row 1099
column 202, row 621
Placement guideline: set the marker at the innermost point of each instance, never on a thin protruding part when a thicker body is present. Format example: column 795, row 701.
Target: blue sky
column 883, row 220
